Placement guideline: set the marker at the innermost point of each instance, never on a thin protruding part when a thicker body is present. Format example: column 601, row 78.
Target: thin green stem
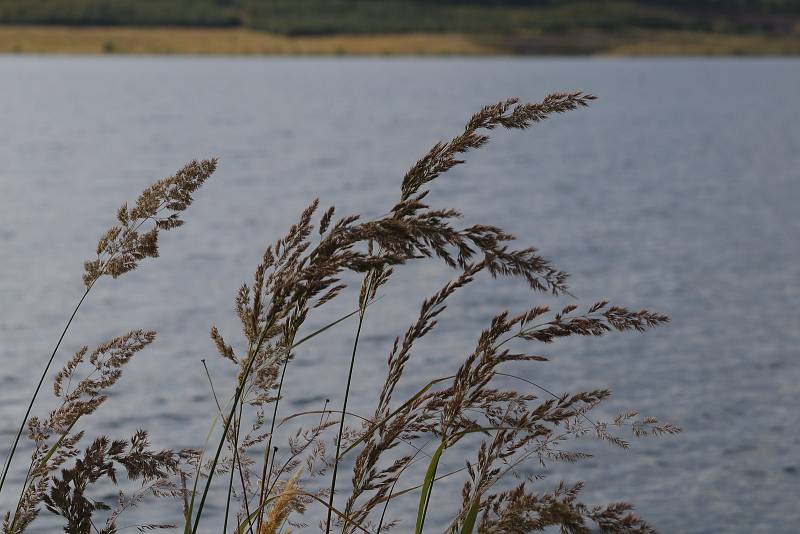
column 214, row 463
column 7, row 465
column 236, row 398
column 341, row 423
column 234, row 448
column 267, row 474
column 271, row 468
column 236, row 452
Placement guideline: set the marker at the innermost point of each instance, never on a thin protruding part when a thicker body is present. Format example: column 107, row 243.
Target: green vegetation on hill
column 121, row 12
column 320, row 17
column 369, row 16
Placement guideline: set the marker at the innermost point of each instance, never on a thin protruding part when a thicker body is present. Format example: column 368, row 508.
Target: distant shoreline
column 240, row 41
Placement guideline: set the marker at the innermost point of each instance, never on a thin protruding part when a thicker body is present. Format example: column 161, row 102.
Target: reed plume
column 135, row 236
column 118, row 251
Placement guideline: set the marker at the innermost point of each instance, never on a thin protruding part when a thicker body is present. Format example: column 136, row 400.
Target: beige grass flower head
column 135, row 236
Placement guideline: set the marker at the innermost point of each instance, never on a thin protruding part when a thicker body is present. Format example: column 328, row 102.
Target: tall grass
column 270, row 488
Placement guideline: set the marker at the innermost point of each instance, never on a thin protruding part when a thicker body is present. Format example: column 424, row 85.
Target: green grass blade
column 472, row 516
column 427, row 487
column 187, row 528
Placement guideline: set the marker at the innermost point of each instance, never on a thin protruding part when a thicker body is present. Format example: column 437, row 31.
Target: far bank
column 239, row 41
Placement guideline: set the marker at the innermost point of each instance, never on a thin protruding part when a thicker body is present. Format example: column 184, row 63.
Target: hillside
column 322, row 17
column 693, row 27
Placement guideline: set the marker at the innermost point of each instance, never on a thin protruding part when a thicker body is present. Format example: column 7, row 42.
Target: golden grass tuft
column 287, row 500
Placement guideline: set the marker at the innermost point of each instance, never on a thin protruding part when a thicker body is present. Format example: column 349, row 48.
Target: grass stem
column 13, row 449
column 341, row 423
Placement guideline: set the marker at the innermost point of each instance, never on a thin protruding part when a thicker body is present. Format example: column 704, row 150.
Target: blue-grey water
column 678, row 190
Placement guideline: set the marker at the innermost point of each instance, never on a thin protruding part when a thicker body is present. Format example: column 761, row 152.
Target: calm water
column 678, row 190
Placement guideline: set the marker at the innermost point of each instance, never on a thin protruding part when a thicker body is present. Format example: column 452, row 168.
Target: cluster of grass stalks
column 270, row 489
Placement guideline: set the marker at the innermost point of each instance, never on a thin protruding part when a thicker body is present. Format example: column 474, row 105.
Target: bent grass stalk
column 427, row 487
column 266, row 475
column 178, row 182
column 344, row 410
column 10, row 457
column 21, row 428
column 236, row 457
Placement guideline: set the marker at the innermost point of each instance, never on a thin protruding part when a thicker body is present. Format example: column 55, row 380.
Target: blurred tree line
column 385, row 16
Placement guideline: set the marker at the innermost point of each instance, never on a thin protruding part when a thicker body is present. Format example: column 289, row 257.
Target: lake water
column 677, row 190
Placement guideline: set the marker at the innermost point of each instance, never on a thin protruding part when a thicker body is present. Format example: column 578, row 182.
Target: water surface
column 677, row 190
